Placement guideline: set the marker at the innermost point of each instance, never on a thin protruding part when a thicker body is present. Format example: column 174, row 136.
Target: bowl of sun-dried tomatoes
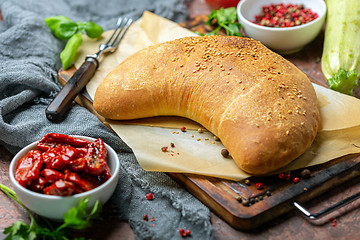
column 285, row 26
column 52, row 175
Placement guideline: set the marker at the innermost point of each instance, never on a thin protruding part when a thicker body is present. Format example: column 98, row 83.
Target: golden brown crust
column 261, row 106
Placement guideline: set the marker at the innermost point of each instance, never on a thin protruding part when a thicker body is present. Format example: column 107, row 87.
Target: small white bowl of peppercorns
column 285, row 26
column 55, row 173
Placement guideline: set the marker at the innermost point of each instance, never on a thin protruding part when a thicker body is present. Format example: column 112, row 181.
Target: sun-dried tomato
column 60, row 188
column 78, row 165
column 96, row 158
column 60, row 157
column 64, row 165
column 37, row 185
column 52, row 140
column 106, row 174
column 51, row 175
column 28, row 167
column 81, row 182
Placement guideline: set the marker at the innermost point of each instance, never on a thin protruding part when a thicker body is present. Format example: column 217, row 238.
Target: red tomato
column 216, row 4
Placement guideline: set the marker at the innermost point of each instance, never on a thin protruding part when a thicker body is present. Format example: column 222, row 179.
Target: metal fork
column 60, row 105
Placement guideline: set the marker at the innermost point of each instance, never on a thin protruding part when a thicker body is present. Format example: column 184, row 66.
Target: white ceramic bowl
column 53, row 207
column 281, row 40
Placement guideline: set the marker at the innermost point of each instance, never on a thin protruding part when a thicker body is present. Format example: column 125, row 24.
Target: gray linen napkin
column 29, row 60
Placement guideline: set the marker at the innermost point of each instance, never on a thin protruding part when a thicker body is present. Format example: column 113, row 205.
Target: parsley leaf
column 76, row 218
column 224, row 18
column 20, row 230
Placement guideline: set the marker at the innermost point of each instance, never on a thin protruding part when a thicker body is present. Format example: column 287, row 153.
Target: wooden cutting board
column 228, row 199
column 240, row 203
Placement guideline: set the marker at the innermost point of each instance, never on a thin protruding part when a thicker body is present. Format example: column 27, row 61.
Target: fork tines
column 121, row 27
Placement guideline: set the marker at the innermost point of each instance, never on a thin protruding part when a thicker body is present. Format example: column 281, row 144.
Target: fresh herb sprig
column 224, row 18
column 66, row 29
column 75, row 218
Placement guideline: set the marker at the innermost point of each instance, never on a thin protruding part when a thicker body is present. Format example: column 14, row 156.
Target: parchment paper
column 199, row 153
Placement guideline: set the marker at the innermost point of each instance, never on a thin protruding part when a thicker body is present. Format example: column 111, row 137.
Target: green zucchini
column 340, row 62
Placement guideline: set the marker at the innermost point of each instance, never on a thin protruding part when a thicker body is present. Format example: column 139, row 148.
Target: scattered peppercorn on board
column 250, row 203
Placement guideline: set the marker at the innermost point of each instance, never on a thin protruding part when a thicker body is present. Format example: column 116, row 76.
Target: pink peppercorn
column 259, row 186
column 287, row 176
column 284, row 15
column 296, row 180
column 333, row 222
column 149, row 196
column 184, row 233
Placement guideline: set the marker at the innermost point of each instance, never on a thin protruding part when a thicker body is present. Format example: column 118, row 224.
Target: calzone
column 261, row 106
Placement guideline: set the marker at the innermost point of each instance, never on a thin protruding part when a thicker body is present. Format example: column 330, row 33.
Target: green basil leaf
column 92, row 29
column 61, row 26
column 52, row 22
column 81, row 26
column 66, row 30
column 68, row 54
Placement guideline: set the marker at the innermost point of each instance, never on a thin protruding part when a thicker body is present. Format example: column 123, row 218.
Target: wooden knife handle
column 60, row 105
